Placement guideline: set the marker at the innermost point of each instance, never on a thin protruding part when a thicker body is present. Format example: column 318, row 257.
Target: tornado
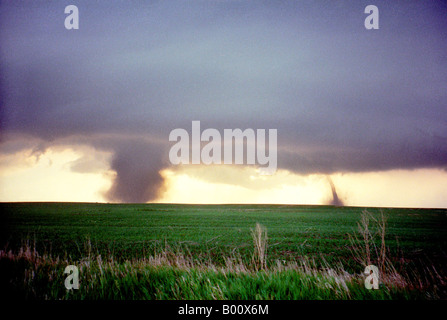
column 336, row 201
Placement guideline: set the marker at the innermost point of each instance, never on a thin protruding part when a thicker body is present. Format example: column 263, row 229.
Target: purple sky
column 343, row 98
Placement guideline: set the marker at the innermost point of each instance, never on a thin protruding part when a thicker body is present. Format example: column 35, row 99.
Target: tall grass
column 365, row 249
column 260, row 241
column 171, row 276
column 368, row 247
column 175, row 274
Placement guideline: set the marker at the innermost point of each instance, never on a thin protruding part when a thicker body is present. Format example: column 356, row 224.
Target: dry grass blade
column 260, row 239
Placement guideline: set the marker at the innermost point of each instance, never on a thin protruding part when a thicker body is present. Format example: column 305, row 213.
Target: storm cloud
column 343, row 98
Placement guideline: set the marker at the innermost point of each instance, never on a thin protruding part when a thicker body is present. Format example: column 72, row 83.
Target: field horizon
column 224, row 204
column 233, row 251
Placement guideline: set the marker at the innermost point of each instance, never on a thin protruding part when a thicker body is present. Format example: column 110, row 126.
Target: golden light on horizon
column 420, row 188
column 58, row 174
column 233, row 184
column 82, row 174
column 424, row 188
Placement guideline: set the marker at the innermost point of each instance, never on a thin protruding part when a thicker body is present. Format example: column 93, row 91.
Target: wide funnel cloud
column 137, row 165
column 342, row 98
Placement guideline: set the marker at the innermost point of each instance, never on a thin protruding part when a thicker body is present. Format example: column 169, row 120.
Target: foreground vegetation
column 221, row 252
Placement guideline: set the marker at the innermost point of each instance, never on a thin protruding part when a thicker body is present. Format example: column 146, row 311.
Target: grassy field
column 162, row 251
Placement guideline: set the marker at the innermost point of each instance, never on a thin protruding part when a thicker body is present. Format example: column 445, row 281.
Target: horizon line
column 218, row 204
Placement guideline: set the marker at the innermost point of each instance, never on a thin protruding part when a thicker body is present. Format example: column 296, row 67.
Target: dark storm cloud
column 342, row 98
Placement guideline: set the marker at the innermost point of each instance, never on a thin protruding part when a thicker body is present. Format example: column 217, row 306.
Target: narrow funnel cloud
column 336, row 201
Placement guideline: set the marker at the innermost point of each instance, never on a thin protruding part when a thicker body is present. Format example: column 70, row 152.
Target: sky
column 361, row 115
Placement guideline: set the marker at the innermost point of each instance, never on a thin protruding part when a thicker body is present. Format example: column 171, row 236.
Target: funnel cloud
column 336, row 201
column 137, row 165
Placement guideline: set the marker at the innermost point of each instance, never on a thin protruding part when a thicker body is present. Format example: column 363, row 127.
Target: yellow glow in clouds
column 82, row 174
column 423, row 188
column 56, row 175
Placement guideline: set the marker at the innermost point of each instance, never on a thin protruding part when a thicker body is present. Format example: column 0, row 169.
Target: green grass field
column 162, row 251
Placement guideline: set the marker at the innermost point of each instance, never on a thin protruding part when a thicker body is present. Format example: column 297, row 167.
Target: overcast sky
column 343, row 98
